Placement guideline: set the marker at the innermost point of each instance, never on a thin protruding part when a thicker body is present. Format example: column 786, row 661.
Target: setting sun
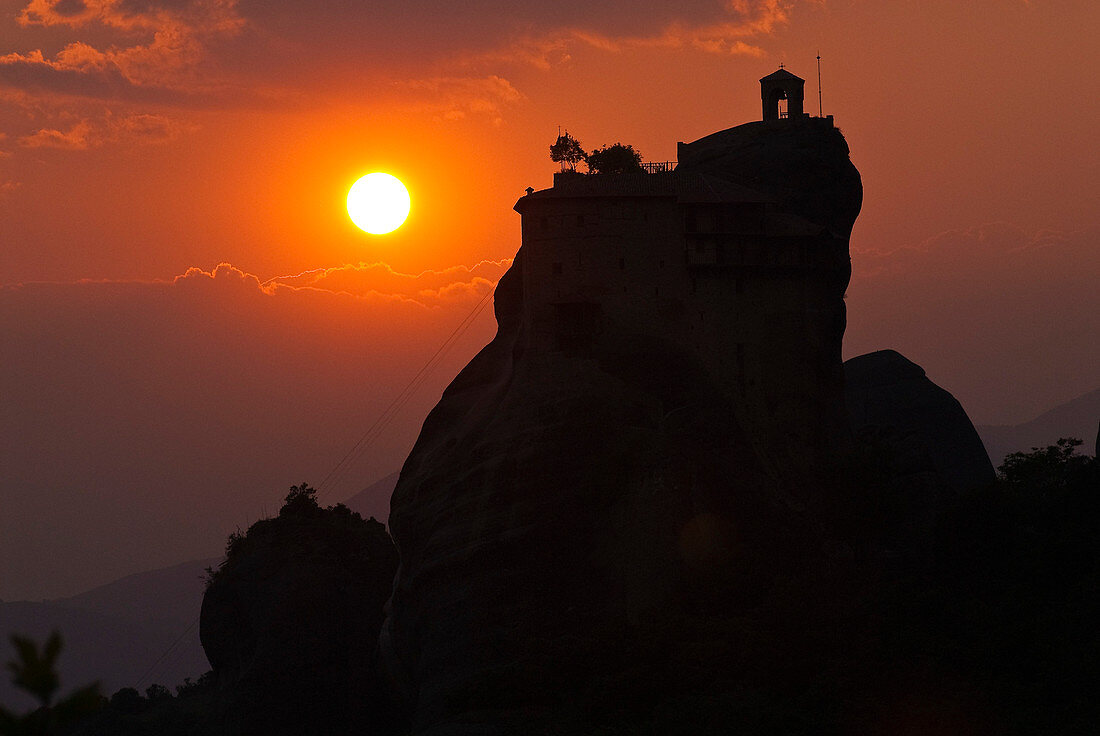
column 378, row 203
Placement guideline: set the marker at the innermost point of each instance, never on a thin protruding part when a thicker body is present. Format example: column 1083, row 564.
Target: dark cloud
column 441, row 61
column 143, row 421
column 404, row 34
column 70, row 8
column 286, row 42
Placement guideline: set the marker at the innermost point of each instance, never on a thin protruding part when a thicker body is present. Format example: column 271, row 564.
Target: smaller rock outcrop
column 290, row 622
column 891, row 401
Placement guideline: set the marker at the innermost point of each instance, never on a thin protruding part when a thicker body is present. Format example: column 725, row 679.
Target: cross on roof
column 782, row 66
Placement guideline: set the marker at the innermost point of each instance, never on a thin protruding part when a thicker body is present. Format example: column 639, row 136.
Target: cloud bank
column 167, row 57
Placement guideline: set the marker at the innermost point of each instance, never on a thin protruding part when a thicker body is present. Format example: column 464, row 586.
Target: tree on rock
column 618, row 158
column 290, row 622
column 567, row 151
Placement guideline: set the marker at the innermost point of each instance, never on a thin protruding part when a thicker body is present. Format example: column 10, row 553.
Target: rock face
column 640, row 451
column 890, row 400
column 290, row 623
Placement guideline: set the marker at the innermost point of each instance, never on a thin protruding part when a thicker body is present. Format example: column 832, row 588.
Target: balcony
column 658, row 167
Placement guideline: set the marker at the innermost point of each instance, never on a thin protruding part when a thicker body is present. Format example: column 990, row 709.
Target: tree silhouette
column 1044, row 469
column 618, row 158
column 35, row 672
column 567, row 151
column 302, row 500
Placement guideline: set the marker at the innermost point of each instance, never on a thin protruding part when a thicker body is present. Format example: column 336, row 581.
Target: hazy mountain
column 1077, row 418
column 374, row 500
column 116, row 633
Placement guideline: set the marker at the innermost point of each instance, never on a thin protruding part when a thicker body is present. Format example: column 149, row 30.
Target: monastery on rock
column 739, row 254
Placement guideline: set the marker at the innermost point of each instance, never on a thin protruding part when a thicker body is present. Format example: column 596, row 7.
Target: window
column 543, row 223
column 622, row 264
column 580, row 220
column 556, row 267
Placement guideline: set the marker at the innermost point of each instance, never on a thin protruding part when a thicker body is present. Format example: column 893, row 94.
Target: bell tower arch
column 782, row 86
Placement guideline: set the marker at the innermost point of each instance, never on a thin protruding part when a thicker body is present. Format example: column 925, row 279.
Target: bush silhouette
column 1046, row 469
column 618, row 158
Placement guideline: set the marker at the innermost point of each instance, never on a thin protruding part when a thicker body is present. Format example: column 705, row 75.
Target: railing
column 658, row 167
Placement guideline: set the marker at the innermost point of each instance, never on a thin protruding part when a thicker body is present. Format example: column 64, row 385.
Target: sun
column 378, row 203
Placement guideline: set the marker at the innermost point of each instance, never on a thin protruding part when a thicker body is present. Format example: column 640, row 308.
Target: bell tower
column 782, row 85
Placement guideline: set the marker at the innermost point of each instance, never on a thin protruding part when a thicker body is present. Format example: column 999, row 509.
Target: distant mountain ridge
column 116, row 633
column 374, row 500
column 1077, row 418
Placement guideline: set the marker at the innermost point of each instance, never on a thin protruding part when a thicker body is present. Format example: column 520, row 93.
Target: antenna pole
column 820, row 114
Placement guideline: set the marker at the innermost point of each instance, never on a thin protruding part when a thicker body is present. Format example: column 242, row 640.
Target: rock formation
column 919, row 453
column 891, row 401
column 290, row 623
column 652, row 439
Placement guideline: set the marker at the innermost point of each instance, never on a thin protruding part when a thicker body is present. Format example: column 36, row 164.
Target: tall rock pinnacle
column 645, row 443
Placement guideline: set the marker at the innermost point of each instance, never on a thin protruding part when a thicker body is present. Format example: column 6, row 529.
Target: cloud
column 198, row 16
column 155, row 55
column 365, row 279
column 136, row 129
column 145, row 56
column 455, row 98
column 74, row 139
column 155, row 416
column 177, row 36
column 713, row 29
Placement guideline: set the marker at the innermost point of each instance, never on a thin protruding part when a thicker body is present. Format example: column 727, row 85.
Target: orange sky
column 142, row 138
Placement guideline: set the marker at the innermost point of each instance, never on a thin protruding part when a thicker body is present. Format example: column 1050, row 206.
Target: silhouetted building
column 717, row 255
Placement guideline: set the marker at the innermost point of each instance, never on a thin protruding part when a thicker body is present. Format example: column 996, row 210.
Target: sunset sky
column 154, row 400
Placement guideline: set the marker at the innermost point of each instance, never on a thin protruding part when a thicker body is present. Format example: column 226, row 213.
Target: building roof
column 683, row 187
column 781, row 75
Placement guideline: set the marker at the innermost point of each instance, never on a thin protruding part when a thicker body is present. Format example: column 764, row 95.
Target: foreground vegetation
column 994, row 633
